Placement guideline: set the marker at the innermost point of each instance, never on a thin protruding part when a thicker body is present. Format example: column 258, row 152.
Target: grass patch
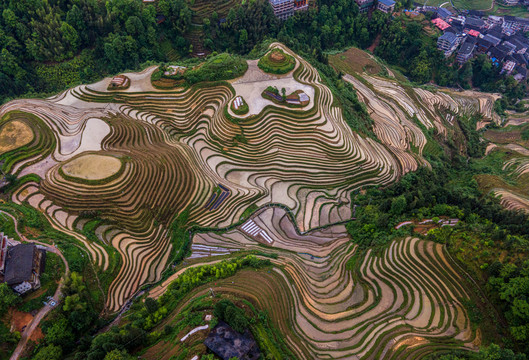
column 473, row 4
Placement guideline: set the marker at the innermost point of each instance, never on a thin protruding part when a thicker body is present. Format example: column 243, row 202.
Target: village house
column 466, row 50
column 23, row 265
column 447, row 43
column 364, row 5
column 227, row 343
column 386, row 6
column 283, row 9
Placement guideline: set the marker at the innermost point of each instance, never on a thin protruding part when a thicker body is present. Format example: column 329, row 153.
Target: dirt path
column 375, row 43
column 30, row 328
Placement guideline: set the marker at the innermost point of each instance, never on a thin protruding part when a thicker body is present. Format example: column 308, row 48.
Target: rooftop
column 448, row 36
column 19, row 263
column 442, row 12
column 470, row 21
column 387, row 2
column 228, row 343
column 466, row 48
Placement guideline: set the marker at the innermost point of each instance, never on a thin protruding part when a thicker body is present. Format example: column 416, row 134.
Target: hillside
column 162, row 180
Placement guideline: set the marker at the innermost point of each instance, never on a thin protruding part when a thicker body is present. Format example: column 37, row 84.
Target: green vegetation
column 472, row 4
column 226, row 311
column 276, row 62
column 220, row 67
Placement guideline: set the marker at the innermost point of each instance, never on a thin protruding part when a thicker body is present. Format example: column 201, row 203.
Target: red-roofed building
column 441, row 24
column 473, row 33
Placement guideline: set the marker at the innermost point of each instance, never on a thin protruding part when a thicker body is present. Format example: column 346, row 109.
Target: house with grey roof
column 24, row 264
column 447, row 43
column 386, row 6
column 466, row 51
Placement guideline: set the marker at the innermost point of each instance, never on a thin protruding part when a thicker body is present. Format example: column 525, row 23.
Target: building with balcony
column 386, row 6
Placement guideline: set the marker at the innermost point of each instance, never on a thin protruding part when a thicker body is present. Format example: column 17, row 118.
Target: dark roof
column 497, row 53
column 519, row 43
column 509, row 18
column 476, row 13
column 510, row 58
column 492, row 39
column 472, row 27
column 453, row 29
column 228, row 343
column 521, row 70
column 470, row 21
column 448, row 36
column 19, row 263
column 444, row 13
column 520, row 59
column 496, row 33
column 456, row 21
column 471, row 40
column 484, row 43
column 504, row 48
column 466, row 48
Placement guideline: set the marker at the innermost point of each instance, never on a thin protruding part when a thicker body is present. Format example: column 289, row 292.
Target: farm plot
column 178, row 148
column 13, row 135
column 404, row 303
column 92, row 167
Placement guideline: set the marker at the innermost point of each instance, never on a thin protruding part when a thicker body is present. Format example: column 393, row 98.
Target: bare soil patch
column 13, row 135
column 92, row 167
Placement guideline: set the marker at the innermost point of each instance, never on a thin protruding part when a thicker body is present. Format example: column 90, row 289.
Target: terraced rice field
column 176, row 148
column 403, row 303
column 399, row 113
column 141, row 156
column 511, row 200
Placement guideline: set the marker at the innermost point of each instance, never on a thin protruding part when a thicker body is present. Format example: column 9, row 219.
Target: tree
column 398, row 205
column 74, row 303
column 7, row 298
column 151, row 305
column 50, row 352
column 60, row 333
column 494, row 352
column 118, row 355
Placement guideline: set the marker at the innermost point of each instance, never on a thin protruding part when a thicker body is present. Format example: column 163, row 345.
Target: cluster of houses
column 21, row 264
column 469, row 34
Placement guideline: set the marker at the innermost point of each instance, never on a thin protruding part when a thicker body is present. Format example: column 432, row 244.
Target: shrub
column 220, row 67
column 277, row 62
